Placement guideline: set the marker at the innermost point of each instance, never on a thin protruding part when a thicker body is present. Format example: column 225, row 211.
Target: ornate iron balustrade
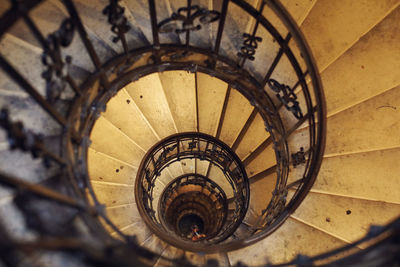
column 190, row 146
column 201, row 185
column 271, row 95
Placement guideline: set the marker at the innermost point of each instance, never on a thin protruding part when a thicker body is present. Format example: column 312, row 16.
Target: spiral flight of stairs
column 356, row 48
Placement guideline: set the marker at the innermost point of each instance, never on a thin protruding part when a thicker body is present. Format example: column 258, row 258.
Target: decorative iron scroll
column 20, row 138
column 191, row 145
column 116, row 18
column 298, row 157
column 248, row 50
column 57, row 67
column 188, row 19
column 287, row 96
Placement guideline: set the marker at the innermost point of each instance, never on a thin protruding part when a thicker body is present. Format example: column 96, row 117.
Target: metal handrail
column 108, row 77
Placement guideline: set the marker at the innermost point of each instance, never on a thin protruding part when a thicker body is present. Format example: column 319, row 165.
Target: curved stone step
column 254, row 136
column 291, row 239
column 137, row 229
column 180, row 91
column 107, row 169
column 369, row 68
column 368, row 126
column 123, row 112
column 370, row 175
column 113, row 194
column 344, row 19
column 123, row 215
column 261, row 192
column 148, row 94
column 211, row 92
column 237, row 113
column 344, row 217
column 110, row 140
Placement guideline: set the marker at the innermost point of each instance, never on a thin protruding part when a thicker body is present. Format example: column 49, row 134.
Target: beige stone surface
column 237, row 112
column 368, row 68
column 254, row 136
column 202, row 166
column 290, row 239
column 123, row 112
column 221, row 258
column 261, row 193
column 332, row 27
column 262, row 162
column 372, row 175
column 104, row 168
column 138, row 229
column 345, row 217
column 123, row 215
column 371, row 125
column 108, row 139
column 180, row 91
column 149, row 96
column 155, row 244
column 211, row 94
column 113, row 194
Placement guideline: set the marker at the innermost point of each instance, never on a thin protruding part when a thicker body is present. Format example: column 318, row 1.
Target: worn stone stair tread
column 180, row 91
column 255, row 135
column 344, row 19
column 352, row 78
column 375, row 177
column 123, row 112
column 345, row 217
column 209, row 118
column 108, row 139
column 148, row 94
column 283, row 241
column 106, row 169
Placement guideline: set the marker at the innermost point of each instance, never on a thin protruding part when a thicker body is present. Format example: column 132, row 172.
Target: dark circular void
column 187, row 224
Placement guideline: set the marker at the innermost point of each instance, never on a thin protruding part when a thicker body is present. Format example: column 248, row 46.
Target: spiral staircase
column 191, row 133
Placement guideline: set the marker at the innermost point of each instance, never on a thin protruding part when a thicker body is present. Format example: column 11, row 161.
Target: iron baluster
column 85, row 39
column 117, row 19
column 189, row 9
column 224, row 11
column 287, row 96
column 154, row 30
column 190, row 18
column 27, row 87
column 57, row 68
column 275, row 62
column 248, row 50
column 44, row 192
column 38, row 35
column 20, row 138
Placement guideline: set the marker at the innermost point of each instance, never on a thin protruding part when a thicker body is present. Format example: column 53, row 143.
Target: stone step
column 291, row 239
column 149, row 96
column 367, row 69
column 342, row 24
column 110, row 140
column 370, row 175
column 344, row 217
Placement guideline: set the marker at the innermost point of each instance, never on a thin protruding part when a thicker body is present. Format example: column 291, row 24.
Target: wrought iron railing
column 72, row 97
column 196, row 187
column 191, row 146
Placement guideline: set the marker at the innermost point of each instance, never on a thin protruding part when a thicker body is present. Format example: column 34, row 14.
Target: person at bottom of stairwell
column 195, row 233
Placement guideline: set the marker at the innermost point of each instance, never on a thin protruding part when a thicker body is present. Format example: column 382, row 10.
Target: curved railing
column 291, row 105
column 196, row 187
column 191, row 146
